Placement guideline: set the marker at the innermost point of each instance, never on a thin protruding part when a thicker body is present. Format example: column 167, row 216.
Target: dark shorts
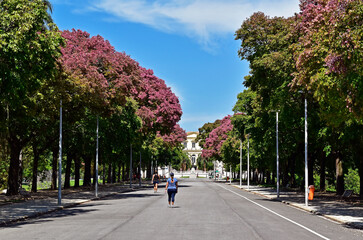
column 156, row 182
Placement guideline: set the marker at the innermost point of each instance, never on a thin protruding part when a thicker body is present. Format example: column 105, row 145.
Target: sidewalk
column 13, row 212
column 350, row 214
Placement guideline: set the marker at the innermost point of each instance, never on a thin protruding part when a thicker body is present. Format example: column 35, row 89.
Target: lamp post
column 96, row 183
column 306, row 153
column 277, row 154
column 306, row 150
column 248, row 161
column 240, row 164
column 60, row 157
column 140, row 171
column 215, row 177
column 130, row 165
column 230, row 174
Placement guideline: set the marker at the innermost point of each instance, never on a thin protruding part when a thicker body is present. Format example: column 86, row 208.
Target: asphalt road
column 204, row 210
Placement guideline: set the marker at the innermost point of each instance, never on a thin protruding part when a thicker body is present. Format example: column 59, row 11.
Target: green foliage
column 205, row 130
column 352, row 180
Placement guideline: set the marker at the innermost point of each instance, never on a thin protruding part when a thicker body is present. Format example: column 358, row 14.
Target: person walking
column 155, row 181
column 172, row 188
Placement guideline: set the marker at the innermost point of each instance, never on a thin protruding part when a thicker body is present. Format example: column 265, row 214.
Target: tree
column 329, row 62
column 205, row 130
column 213, row 144
column 27, row 60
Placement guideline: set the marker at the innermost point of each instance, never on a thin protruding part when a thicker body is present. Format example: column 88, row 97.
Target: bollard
column 311, row 192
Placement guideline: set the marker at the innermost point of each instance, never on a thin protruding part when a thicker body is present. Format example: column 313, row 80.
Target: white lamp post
column 240, row 164
column 306, row 153
column 248, row 161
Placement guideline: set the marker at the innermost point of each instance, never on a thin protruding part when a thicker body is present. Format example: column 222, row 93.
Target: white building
column 192, row 149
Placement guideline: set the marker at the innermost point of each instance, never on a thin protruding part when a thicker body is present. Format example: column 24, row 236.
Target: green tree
column 28, row 54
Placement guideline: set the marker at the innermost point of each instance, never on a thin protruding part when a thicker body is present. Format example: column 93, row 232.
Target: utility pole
column 248, row 161
column 96, row 183
column 230, row 174
column 306, row 154
column 130, row 165
column 140, row 171
column 240, row 164
column 60, row 157
column 277, row 155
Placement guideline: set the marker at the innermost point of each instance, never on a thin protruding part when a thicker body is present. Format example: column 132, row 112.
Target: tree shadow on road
column 39, row 219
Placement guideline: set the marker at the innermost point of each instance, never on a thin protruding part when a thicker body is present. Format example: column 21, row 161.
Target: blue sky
column 188, row 43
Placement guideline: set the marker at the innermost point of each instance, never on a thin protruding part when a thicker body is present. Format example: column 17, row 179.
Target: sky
column 187, row 43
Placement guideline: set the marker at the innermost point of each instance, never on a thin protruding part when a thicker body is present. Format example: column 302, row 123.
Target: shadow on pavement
column 47, row 217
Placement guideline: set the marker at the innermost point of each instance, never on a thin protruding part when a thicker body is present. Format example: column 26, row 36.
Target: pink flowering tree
column 176, row 137
column 99, row 81
column 159, row 109
column 329, row 56
column 98, row 72
column 214, row 142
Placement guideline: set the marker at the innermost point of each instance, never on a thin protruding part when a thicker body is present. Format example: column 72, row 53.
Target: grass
column 47, row 184
column 184, row 177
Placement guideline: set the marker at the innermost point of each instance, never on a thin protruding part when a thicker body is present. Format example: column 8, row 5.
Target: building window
column 185, row 145
column 193, row 159
column 193, row 144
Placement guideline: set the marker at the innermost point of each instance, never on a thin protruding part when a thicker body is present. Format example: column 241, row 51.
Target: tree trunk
column 124, row 171
column 13, row 178
column 77, row 167
column 113, row 173
column 67, row 178
column 322, row 172
column 21, row 170
column 310, row 170
column 35, row 169
column 148, row 173
column 359, row 150
column 361, row 176
column 104, row 174
column 119, row 172
column 339, row 174
column 127, row 173
column 268, row 177
column 109, row 175
column 55, row 167
column 87, row 171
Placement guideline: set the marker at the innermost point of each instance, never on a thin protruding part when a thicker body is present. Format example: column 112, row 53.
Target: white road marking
column 287, row 219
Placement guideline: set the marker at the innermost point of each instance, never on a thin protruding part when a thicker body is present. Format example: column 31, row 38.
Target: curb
column 315, row 212
column 58, row 208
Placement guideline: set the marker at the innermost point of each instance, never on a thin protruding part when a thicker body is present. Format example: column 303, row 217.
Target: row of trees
column 42, row 68
column 315, row 55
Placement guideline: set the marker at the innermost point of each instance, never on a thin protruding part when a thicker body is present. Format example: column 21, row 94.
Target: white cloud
column 199, row 19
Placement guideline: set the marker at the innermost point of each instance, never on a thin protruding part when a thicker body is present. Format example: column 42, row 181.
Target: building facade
column 192, row 148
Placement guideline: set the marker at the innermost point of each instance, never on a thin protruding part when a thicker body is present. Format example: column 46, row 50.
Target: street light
column 60, row 156
column 277, row 154
column 130, row 165
column 306, row 153
column 230, row 174
column 306, row 150
column 248, row 161
column 96, row 173
column 240, row 164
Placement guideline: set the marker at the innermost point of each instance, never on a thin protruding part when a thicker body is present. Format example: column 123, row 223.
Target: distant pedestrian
column 172, row 188
column 155, row 181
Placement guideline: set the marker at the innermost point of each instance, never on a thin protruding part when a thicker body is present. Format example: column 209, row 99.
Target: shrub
column 351, row 180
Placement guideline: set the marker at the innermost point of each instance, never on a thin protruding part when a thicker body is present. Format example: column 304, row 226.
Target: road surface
column 204, row 210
